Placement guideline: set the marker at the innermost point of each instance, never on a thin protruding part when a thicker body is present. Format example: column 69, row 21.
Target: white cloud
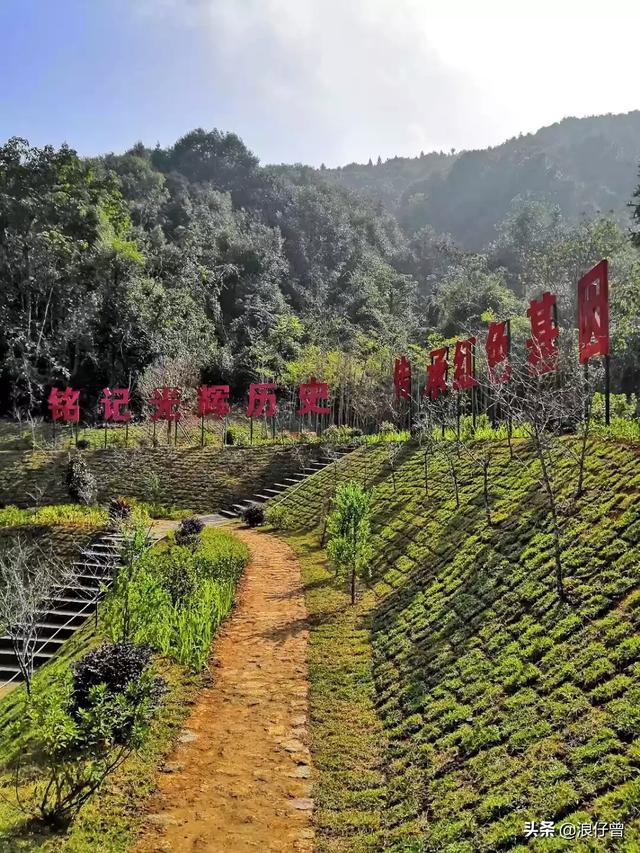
column 339, row 80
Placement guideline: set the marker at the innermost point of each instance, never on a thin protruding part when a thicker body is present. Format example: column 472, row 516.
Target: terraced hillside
column 498, row 703
column 202, row 479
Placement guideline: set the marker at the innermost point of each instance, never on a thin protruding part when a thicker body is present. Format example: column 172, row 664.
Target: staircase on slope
column 276, row 489
column 69, row 605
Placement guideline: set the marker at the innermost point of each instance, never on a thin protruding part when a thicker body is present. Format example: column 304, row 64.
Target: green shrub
column 120, row 509
column 176, row 597
column 81, row 484
column 189, row 530
column 253, row 515
column 279, row 517
column 75, row 744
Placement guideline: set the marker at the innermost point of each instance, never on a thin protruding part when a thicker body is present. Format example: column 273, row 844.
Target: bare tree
column 547, row 408
column 28, row 578
column 480, row 457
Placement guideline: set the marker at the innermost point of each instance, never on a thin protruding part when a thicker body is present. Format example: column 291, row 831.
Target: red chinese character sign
column 166, row 403
column 593, row 313
column 115, row 403
column 402, row 378
column 213, row 400
column 437, row 373
column 311, row 393
column 463, row 365
column 64, row 405
column 262, row 400
column 497, row 349
column 543, row 345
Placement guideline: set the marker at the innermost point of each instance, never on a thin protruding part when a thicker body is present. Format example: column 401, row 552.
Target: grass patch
column 498, row 703
column 110, row 821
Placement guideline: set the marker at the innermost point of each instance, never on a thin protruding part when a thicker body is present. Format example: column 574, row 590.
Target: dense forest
column 199, row 259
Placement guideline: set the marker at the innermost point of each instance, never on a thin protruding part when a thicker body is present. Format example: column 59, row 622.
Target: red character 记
column 437, row 373
column 542, row 345
column 593, row 313
column 64, row 405
column 166, row 402
column 402, row 378
column 213, row 400
column 310, row 394
column 115, row 402
column 497, row 349
column 463, row 368
column 262, row 399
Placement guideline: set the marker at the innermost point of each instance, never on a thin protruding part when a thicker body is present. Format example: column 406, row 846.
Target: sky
column 311, row 81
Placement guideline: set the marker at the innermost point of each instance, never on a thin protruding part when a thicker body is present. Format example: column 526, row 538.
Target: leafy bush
column 115, row 665
column 120, row 509
column 188, row 533
column 177, row 573
column 82, row 729
column 279, row 517
column 340, row 434
column 152, row 488
column 81, row 484
column 176, row 597
column 619, row 407
column 253, row 515
column 387, row 426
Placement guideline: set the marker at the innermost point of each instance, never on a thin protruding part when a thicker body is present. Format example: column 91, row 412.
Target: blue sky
column 309, row 80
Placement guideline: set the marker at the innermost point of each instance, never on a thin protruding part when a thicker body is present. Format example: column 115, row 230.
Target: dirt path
column 240, row 779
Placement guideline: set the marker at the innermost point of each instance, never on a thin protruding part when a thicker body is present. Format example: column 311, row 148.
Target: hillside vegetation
column 204, row 479
column 583, row 165
column 194, row 263
column 497, row 704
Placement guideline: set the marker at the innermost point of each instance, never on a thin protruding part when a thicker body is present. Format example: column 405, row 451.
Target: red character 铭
column 542, row 345
column 166, row 402
column 593, row 313
column 114, row 402
column 310, row 394
column 64, row 405
column 402, row 378
column 213, row 400
column 497, row 349
column 437, row 373
column 262, row 399
column 463, row 367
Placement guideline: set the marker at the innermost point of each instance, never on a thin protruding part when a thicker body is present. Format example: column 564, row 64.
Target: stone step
column 61, row 615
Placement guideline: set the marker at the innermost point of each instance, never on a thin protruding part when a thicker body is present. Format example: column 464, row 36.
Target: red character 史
column 166, row 402
column 114, row 402
column 262, row 399
column 63, row 405
column 437, row 373
column 497, row 349
column 593, row 313
column 310, row 394
column 213, row 400
column 463, row 369
column 542, row 345
column 402, row 378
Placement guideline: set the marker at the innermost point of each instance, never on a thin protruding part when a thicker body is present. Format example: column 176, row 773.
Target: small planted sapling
column 349, row 547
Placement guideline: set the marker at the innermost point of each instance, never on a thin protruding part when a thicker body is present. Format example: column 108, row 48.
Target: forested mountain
column 585, row 166
column 196, row 256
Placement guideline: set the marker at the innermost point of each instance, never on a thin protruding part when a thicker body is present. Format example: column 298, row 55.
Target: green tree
column 349, row 546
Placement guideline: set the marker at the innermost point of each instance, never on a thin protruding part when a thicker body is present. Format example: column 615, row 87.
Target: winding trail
column 240, row 778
